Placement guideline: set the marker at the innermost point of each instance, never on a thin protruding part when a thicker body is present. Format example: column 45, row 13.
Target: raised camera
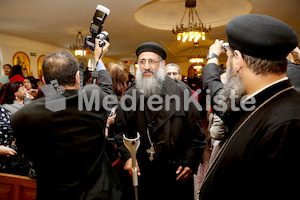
column 225, row 46
column 96, row 28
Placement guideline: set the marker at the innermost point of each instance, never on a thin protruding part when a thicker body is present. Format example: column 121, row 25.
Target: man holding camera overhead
column 67, row 146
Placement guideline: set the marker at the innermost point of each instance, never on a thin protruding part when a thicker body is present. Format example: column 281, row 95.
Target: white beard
column 150, row 85
column 234, row 86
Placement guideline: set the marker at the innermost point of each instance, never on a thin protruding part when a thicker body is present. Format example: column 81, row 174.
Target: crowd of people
column 16, row 92
column 251, row 121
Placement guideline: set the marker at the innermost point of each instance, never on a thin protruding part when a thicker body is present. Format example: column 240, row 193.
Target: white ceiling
column 58, row 21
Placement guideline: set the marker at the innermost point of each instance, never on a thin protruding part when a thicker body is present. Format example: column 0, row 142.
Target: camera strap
column 99, row 56
column 95, row 73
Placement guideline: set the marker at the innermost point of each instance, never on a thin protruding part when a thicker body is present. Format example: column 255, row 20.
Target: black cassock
column 178, row 138
column 258, row 161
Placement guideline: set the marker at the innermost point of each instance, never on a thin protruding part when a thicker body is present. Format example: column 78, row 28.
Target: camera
column 225, row 46
column 96, row 28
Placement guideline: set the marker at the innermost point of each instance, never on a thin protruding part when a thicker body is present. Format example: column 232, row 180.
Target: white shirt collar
column 22, row 102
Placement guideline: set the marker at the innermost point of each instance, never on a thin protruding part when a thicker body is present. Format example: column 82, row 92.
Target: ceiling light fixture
column 198, row 67
column 195, row 29
column 195, row 56
column 78, row 46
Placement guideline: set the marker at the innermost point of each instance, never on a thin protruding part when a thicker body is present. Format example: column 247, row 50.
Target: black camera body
column 96, row 28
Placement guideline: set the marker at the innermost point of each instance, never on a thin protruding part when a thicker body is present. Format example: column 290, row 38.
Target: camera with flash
column 96, row 28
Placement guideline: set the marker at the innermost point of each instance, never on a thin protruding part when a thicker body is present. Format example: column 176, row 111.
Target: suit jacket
column 15, row 106
column 259, row 160
column 67, row 146
column 293, row 73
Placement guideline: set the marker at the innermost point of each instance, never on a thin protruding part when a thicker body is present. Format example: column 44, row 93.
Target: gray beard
column 151, row 85
column 233, row 90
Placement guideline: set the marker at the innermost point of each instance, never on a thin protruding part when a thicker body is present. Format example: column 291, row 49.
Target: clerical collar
column 262, row 89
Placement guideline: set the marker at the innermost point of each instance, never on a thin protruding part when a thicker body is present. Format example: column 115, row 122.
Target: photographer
column 67, row 146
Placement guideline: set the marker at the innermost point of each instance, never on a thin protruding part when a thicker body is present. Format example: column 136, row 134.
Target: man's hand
column 184, row 173
column 7, row 151
column 128, row 167
column 296, row 51
column 110, row 119
column 216, row 48
column 290, row 57
column 98, row 50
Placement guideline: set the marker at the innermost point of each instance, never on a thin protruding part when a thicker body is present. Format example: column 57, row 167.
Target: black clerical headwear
column 261, row 36
column 153, row 47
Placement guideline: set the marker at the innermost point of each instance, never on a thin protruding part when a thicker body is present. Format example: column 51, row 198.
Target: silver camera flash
column 225, row 46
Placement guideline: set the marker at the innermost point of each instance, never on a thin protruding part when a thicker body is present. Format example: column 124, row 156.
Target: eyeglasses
column 174, row 73
column 151, row 62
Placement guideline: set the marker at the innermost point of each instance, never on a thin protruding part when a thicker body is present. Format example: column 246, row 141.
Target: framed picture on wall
column 21, row 58
column 39, row 64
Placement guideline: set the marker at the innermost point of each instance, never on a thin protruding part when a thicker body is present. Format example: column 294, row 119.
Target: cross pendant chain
column 151, row 151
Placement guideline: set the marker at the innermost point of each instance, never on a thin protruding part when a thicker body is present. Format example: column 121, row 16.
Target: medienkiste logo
column 93, row 100
column 54, row 100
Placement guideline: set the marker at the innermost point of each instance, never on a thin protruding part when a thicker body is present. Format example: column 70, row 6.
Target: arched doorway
column 194, row 76
column 195, row 70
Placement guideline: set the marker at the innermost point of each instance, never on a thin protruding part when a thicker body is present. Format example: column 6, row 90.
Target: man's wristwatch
column 212, row 55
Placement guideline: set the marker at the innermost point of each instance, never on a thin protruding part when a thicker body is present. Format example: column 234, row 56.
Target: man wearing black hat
column 257, row 161
column 172, row 138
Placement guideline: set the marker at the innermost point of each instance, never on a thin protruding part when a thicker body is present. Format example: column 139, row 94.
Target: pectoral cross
column 151, row 151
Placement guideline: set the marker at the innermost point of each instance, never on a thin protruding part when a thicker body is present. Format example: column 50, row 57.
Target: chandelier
column 195, row 56
column 78, row 46
column 197, row 66
column 195, row 29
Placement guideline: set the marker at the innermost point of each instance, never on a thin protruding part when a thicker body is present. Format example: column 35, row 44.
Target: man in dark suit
column 293, row 73
column 66, row 141
column 258, row 158
column 293, row 69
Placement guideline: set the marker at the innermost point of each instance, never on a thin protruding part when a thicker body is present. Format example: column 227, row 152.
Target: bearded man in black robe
column 172, row 138
column 257, row 159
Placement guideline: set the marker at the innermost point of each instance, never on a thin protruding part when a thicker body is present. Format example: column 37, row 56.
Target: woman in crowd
column 30, row 85
column 16, row 74
column 14, row 97
column 11, row 160
column 119, row 78
column 7, row 69
column 6, row 138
